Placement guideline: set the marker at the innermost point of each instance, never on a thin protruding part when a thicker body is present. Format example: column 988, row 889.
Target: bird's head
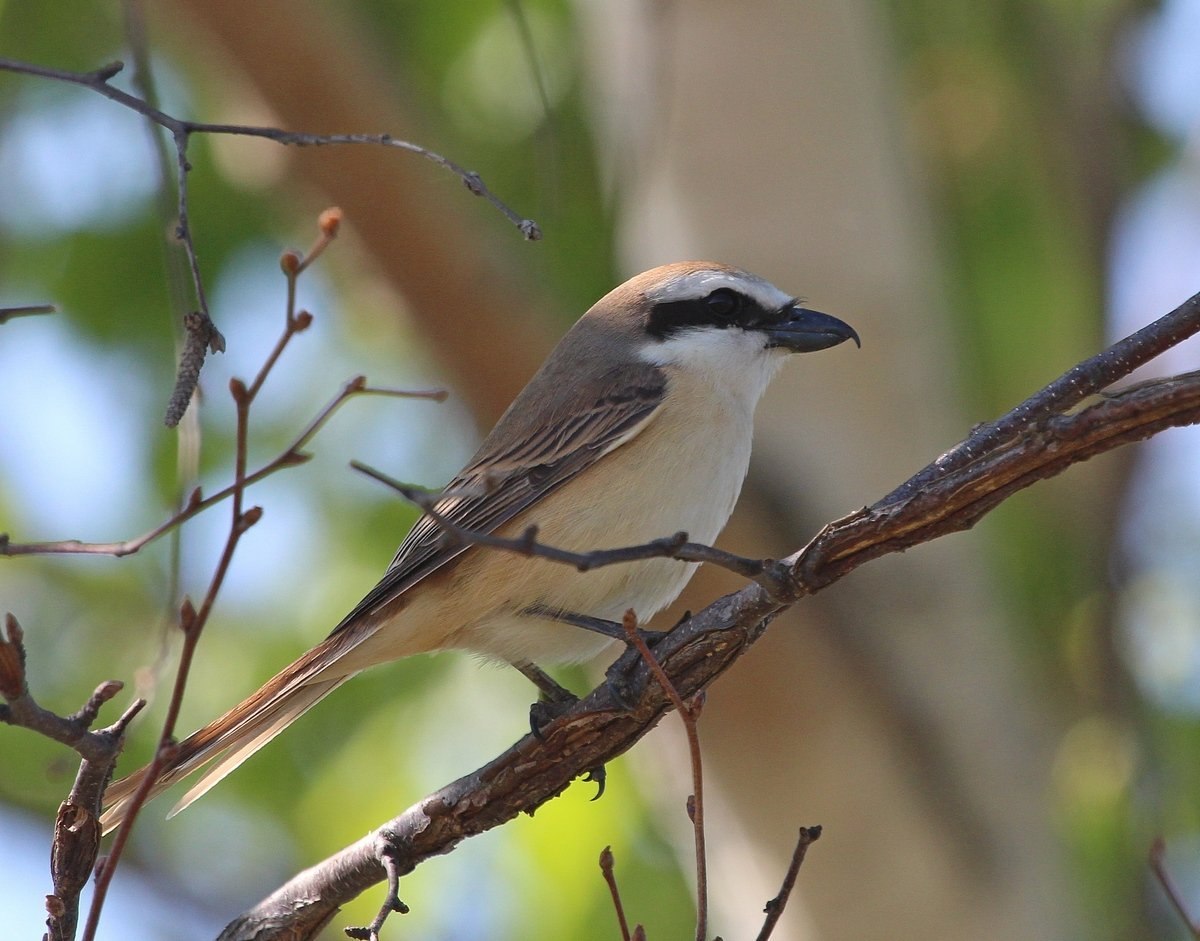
column 706, row 316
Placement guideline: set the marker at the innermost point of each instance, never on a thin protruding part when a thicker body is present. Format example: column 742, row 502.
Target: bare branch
column 775, row 907
column 769, row 573
column 290, row 457
column 610, row 879
column 193, row 620
column 1158, row 865
column 98, row 81
column 201, row 332
column 1067, row 391
column 76, row 842
column 27, row 310
column 689, row 713
column 957, row 500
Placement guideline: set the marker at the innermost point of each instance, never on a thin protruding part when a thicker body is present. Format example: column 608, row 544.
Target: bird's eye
column 724, row 303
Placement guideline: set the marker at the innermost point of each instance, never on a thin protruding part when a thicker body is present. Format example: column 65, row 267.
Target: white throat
column 735, row 363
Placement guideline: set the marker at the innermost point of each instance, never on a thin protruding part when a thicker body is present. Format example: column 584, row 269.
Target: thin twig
column 775, row 907
column 690, row 714
column 192, row 620
column 391, row 902
column 607, row 865
column 766, row 572
column 76, row 841
column 202, row 333
column 290, row 457
column 98, row 81
column 1068, row 390
column 21, row 709
column 192, row 624
column 26, row 310
column 1158, row 865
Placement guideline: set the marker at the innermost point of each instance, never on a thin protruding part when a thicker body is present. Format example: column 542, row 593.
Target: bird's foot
column 555, row 699
column 600, row 776
column 543, row 712
column 624, row 682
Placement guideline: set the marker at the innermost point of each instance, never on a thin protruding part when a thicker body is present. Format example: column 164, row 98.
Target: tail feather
column 236, row 735
column 256, row 734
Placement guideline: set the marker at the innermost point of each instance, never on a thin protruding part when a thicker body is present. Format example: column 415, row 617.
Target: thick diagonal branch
column 952, row 496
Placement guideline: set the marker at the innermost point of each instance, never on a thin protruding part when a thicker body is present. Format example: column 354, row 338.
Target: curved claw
column 600, row 776
column 543, row 712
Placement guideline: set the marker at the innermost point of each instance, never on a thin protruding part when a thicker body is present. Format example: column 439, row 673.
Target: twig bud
column 250, row 517
column 187, row 616
column 330, row 221
column 606, row 859
column 16, row 634
column 290, row 261
column 12, row 661
column 302, row 321
column 107, row 690
column 106, row 72
column 473, row 182
column 118, row 727
column 237, row 389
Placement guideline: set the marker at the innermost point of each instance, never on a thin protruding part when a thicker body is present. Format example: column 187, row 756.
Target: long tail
column 239, row 733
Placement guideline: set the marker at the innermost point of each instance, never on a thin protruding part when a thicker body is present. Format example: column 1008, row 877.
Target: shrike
column 637, row 426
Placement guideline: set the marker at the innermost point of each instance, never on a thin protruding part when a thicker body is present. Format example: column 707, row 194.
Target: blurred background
column 992, row 728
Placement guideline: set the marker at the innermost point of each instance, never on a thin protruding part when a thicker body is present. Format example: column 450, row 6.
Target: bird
column 637, row 425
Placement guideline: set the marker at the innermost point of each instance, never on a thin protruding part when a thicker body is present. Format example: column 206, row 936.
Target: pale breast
column 683, row 472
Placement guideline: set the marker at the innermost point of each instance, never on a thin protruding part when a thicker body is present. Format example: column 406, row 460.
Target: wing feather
column 509, row 475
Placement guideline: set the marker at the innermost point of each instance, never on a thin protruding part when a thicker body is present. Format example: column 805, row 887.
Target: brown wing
column 511, row 472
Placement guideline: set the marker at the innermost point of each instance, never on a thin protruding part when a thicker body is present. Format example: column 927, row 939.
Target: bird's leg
column 618, row 674
column 551, row 691
column 610, row 629
column 554, row 701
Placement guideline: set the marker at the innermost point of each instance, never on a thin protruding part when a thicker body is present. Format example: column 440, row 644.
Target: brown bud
column 290, row 261
column 187, row 615
column 330, row 220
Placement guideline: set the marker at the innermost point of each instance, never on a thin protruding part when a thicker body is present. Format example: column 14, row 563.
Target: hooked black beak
column 805, row 331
